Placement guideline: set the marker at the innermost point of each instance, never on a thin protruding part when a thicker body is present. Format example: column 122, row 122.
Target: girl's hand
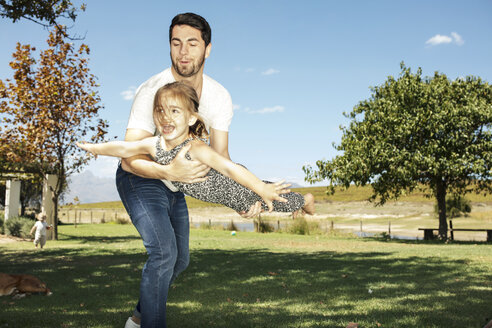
column 87, row 147
column 272, row 191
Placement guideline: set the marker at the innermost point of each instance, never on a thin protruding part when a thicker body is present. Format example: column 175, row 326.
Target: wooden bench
column 429, row 232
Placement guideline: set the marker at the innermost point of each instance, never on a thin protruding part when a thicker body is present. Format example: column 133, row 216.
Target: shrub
column 205, row 226
column 2, row 220
column 120, row 220
column 456, row 206
column 210, row 226
column 19, row 227
column 263, row 227
column 301, row 226
column 231, row 226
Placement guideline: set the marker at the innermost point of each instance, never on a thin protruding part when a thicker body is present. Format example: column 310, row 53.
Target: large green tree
column 414, row 132
column 47, row 107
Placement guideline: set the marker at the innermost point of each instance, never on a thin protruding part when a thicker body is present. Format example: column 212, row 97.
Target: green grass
column 354, row 193
column 255, row 280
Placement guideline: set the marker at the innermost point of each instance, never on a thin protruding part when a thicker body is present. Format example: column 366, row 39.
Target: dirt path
column 4, row 239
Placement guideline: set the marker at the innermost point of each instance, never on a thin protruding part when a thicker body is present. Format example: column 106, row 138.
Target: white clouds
column 270, row 71
column 439, row 39
column 445, row 39
column 129, row 93
column 457, row 38
column 266, row 110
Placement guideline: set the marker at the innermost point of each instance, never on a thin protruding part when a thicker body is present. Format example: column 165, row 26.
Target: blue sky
column 292, row 67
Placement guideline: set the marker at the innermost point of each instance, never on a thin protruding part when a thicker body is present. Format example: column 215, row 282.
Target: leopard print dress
column 223, row 190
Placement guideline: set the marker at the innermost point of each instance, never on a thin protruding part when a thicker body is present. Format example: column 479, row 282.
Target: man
column 157, row 211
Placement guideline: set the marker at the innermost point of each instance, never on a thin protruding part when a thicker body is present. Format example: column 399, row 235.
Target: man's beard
column 191, row 69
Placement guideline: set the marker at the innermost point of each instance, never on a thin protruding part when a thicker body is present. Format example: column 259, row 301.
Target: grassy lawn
column 255, row 280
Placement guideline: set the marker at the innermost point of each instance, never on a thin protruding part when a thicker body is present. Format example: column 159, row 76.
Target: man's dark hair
column 195, row 21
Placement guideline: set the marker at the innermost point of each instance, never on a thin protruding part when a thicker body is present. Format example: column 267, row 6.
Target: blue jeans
column 161, row 218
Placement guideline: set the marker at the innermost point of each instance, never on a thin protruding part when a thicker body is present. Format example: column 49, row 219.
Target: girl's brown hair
column 186, row 96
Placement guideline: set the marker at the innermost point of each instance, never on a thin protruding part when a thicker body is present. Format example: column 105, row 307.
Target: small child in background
column 40, row 227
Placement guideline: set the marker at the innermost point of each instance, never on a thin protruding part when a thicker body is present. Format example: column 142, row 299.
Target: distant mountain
column 295, row 185
column 91, row 189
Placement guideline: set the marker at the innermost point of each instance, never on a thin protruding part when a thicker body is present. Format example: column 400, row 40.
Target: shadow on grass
column 98, row 239
column 326, row 289
column 253, row 288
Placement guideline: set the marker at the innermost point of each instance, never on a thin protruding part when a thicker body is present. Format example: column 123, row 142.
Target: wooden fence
column 92, row 215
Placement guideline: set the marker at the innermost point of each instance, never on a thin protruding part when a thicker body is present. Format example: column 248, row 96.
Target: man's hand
column 179, row 169
column 184, row 170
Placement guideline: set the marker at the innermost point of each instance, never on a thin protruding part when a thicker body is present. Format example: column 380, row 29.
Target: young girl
column 177, row 120
column 40, row 228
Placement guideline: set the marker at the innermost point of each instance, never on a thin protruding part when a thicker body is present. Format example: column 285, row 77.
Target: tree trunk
column 55, row 216
column 441, row 205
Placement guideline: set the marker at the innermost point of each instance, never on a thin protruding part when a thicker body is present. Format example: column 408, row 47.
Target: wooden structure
column 429, row 232
column 12, row 197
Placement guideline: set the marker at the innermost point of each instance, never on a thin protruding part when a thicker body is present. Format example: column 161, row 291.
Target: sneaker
column 131, row 324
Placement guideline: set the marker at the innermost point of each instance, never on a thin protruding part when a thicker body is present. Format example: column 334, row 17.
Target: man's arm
column 180, row 169
column 219, row 141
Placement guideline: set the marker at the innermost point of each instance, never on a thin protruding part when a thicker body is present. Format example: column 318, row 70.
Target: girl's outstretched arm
column 122, row 149
column 267, row 191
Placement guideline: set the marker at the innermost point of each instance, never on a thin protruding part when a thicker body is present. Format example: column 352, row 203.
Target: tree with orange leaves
column 47, row 107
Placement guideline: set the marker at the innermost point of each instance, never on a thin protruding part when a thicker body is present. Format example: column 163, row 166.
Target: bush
column 301, row 226
column 456, row 206
column 205, row 226
column 120, row 220
column 263, row 227
column 19, row 227
column 231, row 226
column 210, row 226
column 2, row 220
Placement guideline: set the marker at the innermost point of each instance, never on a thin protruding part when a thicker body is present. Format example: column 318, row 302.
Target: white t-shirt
column 40, row 228
column 215, row 105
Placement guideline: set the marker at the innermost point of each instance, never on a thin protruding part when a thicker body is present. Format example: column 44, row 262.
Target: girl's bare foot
column 307, row 208
column 309, row 204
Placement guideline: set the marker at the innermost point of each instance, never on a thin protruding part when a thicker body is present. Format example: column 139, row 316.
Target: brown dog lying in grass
column 20, row 285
